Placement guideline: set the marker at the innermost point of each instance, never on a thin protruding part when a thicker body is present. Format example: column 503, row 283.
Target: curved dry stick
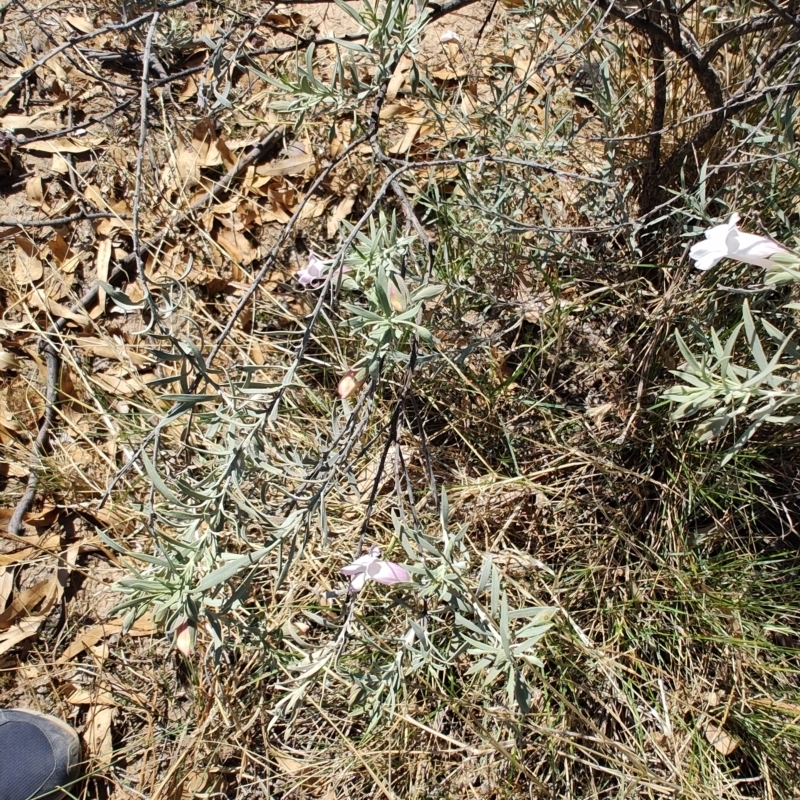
column 42, row 443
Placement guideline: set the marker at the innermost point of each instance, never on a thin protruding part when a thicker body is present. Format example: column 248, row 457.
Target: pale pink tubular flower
column 313, row 274
column 371, row 566
column 348, row 384
column 727, row 241
column 185, row 637
column 352, row 381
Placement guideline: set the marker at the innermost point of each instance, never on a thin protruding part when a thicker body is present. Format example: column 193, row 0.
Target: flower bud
column 185, row 637
column 351, row 382
column 397, row 297
column 347, row 385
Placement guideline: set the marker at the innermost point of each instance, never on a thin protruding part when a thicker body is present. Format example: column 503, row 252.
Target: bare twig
column 650, row 187
column 762, row 22
column 486, row 20
column 137, row 192
column 488, row 158
column 56, row 221
column 439, row 10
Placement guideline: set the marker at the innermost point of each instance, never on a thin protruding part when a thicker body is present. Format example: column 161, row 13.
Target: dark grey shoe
column 39, row 754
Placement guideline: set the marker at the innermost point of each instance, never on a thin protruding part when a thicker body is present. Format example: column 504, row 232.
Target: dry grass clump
column 471, row 379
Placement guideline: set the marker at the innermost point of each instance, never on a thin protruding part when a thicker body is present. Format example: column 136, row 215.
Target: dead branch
column 57, row 221
column 137, row 192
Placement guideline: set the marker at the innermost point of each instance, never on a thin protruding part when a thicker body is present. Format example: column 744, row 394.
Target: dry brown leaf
column 449, row 74
column 95, row 197
column 34, row 192
column 81, row 696
column 6, row 587
column 113, row 518
column 117, row 384
column 56, row 309
column 42, row 596
column 314, row 208
column 219, row 154
column 203, row 137
column 66, row 258
column 203, row 151
column 236, row 246
column 108, row 226
column 62, row 144
column 171, row 262
column 469, row 103
column 10, row 232
column 409, row 112
column 102, row 260
column 600, row 412
column 38, row 544
column 189, row 90
column 79, row 23
column 295, row 165
column 59, row 164
column 187, row 168
column 18, row 633
column 25, row 603
column 119, row 155
column 340, row 213
column 336, row 146
column 89, row 638
column 7, row 419
column 286, row 20
column 398, row 79
column 34, row 122
column 97, row 733
column 722, row 742
column 403, row 145
column 43, row 518
column 517, row 564
column 28, row 269
column 98, row 347
column 289, row 764
column 8, row 361
column 59, row 248
column 257, row 354
column 11, row 470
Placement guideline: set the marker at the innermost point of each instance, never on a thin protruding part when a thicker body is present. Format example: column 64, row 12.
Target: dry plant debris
column 287, row 285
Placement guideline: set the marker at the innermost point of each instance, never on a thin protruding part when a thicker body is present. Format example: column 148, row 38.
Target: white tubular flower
column 371, row 566
column 727, row 241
